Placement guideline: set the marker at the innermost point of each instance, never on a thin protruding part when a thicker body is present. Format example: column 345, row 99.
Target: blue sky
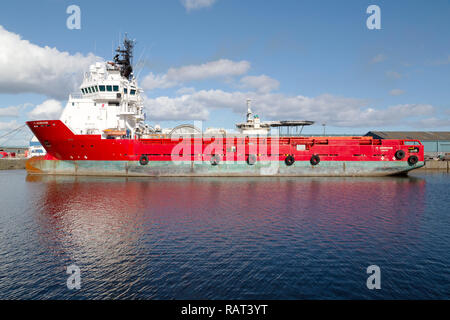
column 312, row 60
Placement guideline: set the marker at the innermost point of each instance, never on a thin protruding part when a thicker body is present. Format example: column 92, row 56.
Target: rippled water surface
column 224, row 238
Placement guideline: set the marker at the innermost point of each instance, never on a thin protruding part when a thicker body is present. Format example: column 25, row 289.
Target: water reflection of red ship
column 95, row 211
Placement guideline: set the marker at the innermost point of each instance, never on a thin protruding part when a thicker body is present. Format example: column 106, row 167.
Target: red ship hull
column 68, row 153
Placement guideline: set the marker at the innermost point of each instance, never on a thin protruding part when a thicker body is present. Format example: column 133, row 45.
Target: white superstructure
column 109, row 102
column 253, row 126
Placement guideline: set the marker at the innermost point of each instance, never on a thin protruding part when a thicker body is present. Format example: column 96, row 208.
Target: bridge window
column 89, row 90
column 115, row 88
column 102, row 88
column 125, row 90
column 96, row 88
column 132, row 91
column 109, row 88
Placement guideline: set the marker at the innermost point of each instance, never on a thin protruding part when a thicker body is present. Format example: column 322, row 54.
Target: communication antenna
column 249, row 109
column 124, row 57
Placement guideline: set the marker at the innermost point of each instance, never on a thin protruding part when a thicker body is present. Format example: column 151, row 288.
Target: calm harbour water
column 224, row 238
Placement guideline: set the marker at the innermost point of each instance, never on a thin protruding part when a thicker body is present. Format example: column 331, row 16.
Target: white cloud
column 378, row 58
column 396, row 92
column 10, row 125
column 185, row 90
column 26, row 67
column 152, row 81
column 13, row 111
column 261, row 83
column 197, row 4
column 218, row 68
column 433, row 122
column 179, row 108
column 49, row 109
column 176, row 76
column 9, row 111
column 326, row 108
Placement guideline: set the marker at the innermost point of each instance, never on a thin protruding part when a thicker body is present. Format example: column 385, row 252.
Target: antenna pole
column 249, row 110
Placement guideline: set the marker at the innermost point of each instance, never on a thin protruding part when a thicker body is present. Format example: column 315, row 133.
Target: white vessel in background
column 35, row 149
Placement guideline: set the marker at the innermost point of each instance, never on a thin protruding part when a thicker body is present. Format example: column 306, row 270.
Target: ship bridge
column 104, row 82
column 109, row 102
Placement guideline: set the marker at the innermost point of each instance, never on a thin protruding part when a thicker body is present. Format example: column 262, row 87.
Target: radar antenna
column 124, row 58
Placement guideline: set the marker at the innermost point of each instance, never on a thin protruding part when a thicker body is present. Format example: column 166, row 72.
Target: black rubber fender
column 143, row 160
column 289, row 160
column 412, row 160
column 400, row 154
column 315, row 159
column 251, row 159
column 215, row 160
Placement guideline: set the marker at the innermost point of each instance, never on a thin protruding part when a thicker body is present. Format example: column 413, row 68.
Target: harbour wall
column 12, row 164
column 436, row 165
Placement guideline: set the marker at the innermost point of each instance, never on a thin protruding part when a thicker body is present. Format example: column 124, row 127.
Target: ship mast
column 123, row 58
